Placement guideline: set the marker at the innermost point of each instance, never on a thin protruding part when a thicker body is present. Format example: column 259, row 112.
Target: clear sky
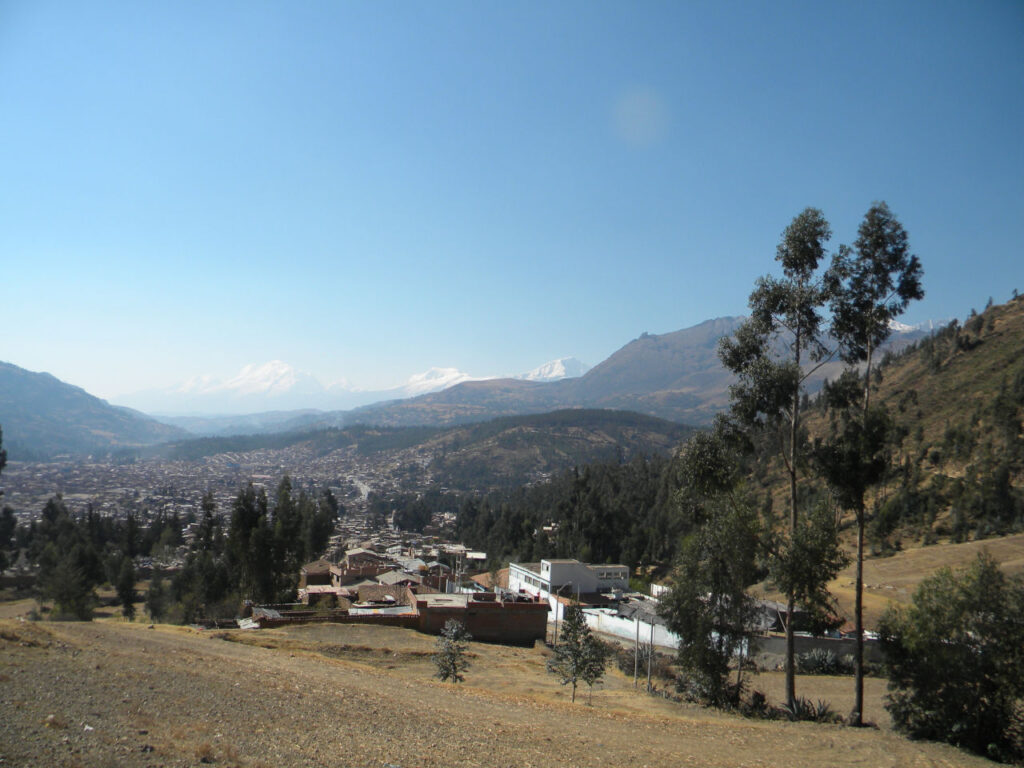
column 368, row 189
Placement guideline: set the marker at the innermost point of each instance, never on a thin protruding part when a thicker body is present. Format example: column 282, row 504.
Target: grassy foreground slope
column 109, row 693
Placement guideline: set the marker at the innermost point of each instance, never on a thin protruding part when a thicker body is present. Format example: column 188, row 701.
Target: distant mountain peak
column 433, row 380
column 898, row 327
column 272, row 378
column 555, row 370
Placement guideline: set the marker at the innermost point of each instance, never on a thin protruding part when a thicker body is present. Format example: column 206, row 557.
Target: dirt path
column 106, row 694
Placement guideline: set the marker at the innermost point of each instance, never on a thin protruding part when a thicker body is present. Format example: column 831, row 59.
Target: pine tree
column 450, row 654
column 578, row 655
column 156, row 597
column 126, row 588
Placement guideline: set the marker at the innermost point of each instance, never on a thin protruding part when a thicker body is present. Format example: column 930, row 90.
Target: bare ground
column 109, row 693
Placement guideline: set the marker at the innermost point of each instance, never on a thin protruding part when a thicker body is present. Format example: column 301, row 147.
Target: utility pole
column 636, row 648
column 650, row 656
column 558, row 606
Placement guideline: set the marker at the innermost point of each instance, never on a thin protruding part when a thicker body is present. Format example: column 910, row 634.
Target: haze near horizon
column 369, row 191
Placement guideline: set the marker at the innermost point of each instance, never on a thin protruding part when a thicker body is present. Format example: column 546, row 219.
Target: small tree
column 156, row 597
column 578, row 655
column 450, row 656
column 597, row 655
column 955, row 660
column 126, row 588
column 70, row 590
column 708, row 606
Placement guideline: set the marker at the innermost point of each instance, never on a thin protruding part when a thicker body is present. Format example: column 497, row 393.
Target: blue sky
column 366, row 190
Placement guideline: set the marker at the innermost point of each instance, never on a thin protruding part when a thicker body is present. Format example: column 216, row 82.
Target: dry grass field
column 110, row 693
column 894, row 578
column 113, row 693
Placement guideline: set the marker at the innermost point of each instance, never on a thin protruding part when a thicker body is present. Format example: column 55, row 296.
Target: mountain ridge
column 43, row 416
column 674, row 376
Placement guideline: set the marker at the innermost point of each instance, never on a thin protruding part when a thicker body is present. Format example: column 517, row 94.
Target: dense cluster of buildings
column 399, row 589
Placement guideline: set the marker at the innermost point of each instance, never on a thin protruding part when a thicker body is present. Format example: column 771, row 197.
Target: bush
column 805, row 710
column 661, row 663
column 820, row 661
column 955, row 661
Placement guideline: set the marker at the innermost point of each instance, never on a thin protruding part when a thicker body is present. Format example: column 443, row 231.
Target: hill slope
column 957, row 396
column 501, row 452
column 42, row 416
column 118, row 694
column 675, row 376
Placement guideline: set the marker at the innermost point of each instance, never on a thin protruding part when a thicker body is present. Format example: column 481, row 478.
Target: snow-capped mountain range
column 278, row 386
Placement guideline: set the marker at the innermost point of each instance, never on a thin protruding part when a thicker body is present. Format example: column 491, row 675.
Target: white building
column 551, row 579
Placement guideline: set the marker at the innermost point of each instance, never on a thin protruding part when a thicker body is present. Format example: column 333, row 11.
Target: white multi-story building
column 552, row 579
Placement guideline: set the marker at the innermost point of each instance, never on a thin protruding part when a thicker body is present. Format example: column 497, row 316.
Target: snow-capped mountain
column 277, row 386
column 433, row 380
column 271, row 386
column 272, row 378
column 562, row 368
column 898, row 327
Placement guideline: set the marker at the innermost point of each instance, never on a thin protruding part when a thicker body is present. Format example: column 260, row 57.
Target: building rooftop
column 444, row 601
column 535, row 567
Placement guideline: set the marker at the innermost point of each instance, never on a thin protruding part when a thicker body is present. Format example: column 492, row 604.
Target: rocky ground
column 108, row 693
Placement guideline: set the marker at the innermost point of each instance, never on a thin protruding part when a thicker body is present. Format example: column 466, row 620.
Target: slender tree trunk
column 794, row 430
column 856, row 717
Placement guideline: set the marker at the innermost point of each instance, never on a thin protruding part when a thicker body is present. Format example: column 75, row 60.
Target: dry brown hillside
column 113, row 694
column 953, row 395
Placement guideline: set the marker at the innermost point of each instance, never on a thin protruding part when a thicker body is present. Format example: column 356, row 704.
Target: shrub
column 661, row 663
column 821, row 661
column 803, row 709
column 955, row 661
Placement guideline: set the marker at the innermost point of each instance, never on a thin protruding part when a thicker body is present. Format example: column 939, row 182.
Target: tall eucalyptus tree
column 772, row 355
column 869, row 286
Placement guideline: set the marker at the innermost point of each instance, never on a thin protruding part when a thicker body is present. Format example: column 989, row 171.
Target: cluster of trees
column 412, row 511
column 8, row 523
column 601, row 513
column 773, row 354
column 258, row 557
column 77, row 554
column 956, row 656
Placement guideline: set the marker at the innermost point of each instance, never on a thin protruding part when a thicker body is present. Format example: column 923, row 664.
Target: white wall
column 604, row 620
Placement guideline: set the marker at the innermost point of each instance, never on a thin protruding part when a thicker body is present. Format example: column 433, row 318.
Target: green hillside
column 959, row 396
column 502, row 452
